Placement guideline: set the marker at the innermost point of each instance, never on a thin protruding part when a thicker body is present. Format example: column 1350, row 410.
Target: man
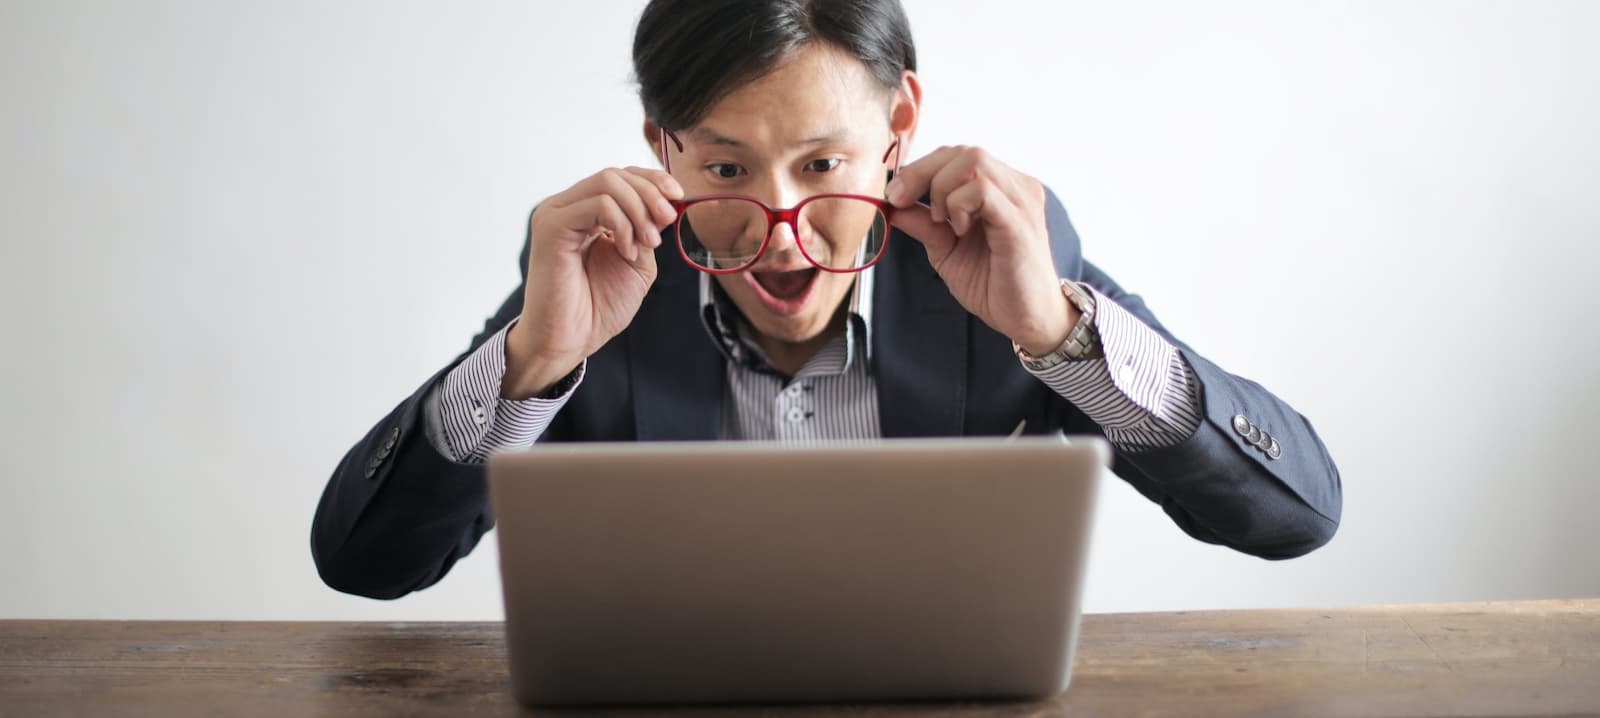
column 773, row 282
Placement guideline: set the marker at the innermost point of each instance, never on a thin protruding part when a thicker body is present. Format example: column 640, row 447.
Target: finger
column 964, row 203
column 645, row 263
column 583, row 190
column 660, row 210
column 912, row 181
column 961, row 169
column 616, row 184
column 665, row 182
column 598, row 215
column 978, row 200
column 936, row 237
column 1018, row 187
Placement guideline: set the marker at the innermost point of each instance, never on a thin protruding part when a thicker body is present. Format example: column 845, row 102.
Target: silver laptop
column 734, row 572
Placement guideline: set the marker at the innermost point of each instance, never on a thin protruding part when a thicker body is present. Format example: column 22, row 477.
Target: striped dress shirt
column 1142, row 393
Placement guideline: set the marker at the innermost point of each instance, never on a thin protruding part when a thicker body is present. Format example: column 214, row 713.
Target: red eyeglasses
column 728, row 233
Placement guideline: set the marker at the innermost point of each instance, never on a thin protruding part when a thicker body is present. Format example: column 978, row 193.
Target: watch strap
column 1082, row 342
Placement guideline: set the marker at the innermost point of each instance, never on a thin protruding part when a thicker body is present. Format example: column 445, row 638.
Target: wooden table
column 1534, row 658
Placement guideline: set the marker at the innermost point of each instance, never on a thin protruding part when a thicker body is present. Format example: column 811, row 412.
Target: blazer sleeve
column 397, row 514
column 1218, row 485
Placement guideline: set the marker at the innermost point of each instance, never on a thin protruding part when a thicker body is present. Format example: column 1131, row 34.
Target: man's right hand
column 591, row 258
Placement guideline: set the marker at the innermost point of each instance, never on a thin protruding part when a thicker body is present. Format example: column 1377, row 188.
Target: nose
column 783, row 239
column 780, row 194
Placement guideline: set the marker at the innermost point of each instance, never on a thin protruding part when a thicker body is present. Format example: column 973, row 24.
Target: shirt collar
column 727, row 326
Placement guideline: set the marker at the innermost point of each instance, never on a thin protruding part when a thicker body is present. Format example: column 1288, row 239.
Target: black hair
column 689, row 54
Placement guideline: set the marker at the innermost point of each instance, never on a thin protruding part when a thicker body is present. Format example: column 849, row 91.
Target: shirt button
column 480, row 415
column 796, row 415
column 794, row 391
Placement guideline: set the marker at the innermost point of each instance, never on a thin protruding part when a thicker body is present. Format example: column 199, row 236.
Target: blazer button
column 394, row 436
column 1265, row 441
column 1241, row 425
column 1273, row 450
column 1255, row 434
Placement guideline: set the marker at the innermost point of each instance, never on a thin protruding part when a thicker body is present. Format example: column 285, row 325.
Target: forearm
column 468, row 418
column 1214, row 482
column 1224, row 487
column 1137, row 388
column 1231, row 463
column 396, row 514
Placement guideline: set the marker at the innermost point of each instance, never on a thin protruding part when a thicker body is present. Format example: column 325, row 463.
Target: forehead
column 817, row 93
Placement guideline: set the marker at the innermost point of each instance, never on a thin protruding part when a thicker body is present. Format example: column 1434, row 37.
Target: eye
column 725, row 170
column 826, row 165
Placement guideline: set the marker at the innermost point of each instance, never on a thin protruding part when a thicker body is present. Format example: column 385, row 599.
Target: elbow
column 341, row 572
column 1301, row 522
column 345, row 568
column 1275, row 531
column 1309, row 534
column 376, row 565
column 1301, row 530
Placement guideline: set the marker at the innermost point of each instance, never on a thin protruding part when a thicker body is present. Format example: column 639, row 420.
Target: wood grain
column 1526, row 658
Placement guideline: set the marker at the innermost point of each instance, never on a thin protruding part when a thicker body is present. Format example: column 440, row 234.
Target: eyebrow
column 712, row 137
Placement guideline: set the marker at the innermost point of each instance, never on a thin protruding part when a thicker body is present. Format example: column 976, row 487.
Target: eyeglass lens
column 837, row 233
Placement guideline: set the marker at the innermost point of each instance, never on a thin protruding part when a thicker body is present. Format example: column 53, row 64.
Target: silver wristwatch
column 1083, row 342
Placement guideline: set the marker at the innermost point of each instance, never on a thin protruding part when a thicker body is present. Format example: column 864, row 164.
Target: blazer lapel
column 919, row 346
column 677, row 373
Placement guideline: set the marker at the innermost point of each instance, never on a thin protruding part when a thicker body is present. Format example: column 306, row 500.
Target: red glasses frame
column 775, row 215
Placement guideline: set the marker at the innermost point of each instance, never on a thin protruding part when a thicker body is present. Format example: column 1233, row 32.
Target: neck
column 788, row 357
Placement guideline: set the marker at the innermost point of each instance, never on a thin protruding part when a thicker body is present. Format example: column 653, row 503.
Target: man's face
column 817, row 124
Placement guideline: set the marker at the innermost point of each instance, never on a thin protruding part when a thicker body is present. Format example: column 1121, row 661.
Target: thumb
column 936, row 237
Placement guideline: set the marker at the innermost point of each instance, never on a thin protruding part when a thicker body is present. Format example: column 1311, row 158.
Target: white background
column 236, row 234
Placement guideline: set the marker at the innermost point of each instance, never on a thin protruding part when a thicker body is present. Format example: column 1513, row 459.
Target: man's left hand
column 985, row 232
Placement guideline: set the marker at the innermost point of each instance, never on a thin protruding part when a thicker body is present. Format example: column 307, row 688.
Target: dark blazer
column 396, row 515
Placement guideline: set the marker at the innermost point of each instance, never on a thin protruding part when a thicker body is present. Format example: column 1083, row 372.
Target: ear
column 652, row 137
column 905, row 108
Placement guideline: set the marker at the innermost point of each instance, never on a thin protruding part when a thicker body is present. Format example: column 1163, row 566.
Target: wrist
column 1047, row 340
column 530, row 373
column 1080, row 341
column 1044, row 343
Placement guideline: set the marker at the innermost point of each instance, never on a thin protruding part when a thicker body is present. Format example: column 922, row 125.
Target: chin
column 791, row 330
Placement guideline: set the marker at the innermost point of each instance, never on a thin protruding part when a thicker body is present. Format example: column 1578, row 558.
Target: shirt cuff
column 466, row 418
column 1142, row 393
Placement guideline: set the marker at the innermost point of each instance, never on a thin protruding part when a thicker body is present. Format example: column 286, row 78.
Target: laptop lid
column 737, row 572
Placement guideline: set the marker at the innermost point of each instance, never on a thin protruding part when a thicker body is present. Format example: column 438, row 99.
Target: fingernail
column 674, row 190
column 896, row 188
column 935, row 214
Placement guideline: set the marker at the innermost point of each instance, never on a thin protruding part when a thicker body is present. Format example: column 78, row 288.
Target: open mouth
column 785, row 293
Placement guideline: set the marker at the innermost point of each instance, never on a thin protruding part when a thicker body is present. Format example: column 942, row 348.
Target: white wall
column 235, row 234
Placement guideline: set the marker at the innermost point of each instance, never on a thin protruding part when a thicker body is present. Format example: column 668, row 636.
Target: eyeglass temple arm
column 666, row 163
